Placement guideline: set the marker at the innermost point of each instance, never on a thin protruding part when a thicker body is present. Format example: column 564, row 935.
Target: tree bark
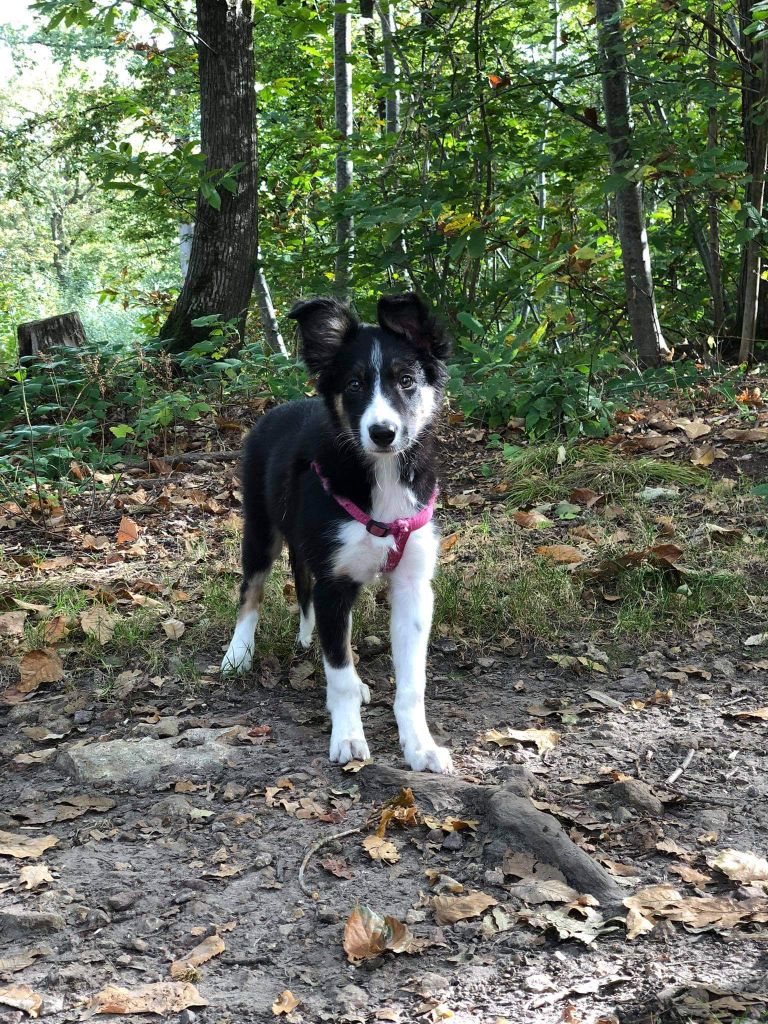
column 38, row 336
column 758, row 151
column 717, row 288
column 392, row 102
column 644, row 323
column 342, row 45
column 222, row 262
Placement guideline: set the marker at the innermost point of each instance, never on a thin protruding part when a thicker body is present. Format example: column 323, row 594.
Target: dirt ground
column 192, row 827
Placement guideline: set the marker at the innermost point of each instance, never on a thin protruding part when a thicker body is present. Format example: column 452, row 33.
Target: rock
column 435, row 835
column 173, row 807
column 233, row 791
column 97, row 918
column 18, row 923
column 143, row 762
column 432, row 984
column 453, row 841
column 351, row 997
column 636, row 683
column 122, row 900
column 186, row 1016
column 82, row 717
column 371, row 645
column 634, row 793
column 327, row 915
column 165, row 727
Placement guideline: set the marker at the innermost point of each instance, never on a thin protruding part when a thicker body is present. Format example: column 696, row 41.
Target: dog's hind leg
column 261, row 546
column 303, row 579
column 333, row 601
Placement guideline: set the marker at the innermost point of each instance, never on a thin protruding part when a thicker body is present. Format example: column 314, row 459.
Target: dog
column 348, row 481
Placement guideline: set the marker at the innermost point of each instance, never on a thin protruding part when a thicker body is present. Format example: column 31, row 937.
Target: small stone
column 414, row 916
column 453, row 841
column 97, row 918
column 121, row 900
column 17, row 923
column 371, row 644
column 494, row 876
column 433, row 984
column 174, row 806
column 435, row 835
column 233, row 791
column 634, row 793
column 351, row 997
column 327, row 915
column 124, row 959
column 82, row 717
column 186, row 1016
column 140, row 945
column 262, row 860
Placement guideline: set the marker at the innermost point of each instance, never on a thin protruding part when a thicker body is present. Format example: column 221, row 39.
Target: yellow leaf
column 285, row 1003
column 381, row 849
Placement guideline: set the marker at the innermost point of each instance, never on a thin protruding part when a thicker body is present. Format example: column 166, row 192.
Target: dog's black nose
column 383, row 434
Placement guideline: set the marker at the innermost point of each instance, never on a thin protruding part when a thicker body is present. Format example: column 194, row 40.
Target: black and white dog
column 348, row 481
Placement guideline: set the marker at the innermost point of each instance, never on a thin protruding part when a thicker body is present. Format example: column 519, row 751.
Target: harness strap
column 399, row 529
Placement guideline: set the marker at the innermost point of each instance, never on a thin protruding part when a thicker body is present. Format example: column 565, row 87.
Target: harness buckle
column 377, row 529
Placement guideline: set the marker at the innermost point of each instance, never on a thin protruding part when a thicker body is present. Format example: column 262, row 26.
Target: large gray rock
column 18, row 923
column 142, row 762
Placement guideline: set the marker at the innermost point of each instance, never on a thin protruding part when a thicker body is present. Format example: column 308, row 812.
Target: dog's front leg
column 333, row 601
column 412, row 602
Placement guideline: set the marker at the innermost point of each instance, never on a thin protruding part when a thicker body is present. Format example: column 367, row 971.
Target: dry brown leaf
column 530, row 520
column 448, row 542
column 161, row 997
column 740, row 866
column 21, row 997
column 205, row 950
column 757, row 713
column 174, row 628
column 99, row 623
column 29, row 606
column 12, row 624
column 693, row 428
column 689, row 874
column 752, row 434
column 34, row 875
column 337, row 866
column 285, row 1003
column 127, row 531
column 36, row 667
column 381, row 849
column 563, row 553
column 449, row 909
column 544, row 739
column 465, row 500
column 368, row 935
column 55, row 628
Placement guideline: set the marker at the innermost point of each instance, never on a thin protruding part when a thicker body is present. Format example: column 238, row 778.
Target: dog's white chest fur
column 360, row 554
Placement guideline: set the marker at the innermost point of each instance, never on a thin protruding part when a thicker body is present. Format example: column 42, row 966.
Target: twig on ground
column 681, row 768
column 318, row 845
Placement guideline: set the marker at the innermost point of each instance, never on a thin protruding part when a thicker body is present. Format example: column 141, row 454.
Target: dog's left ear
column 324, row 325
column 406, row 315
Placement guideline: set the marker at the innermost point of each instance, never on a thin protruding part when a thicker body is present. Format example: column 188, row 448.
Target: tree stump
column 38, row 336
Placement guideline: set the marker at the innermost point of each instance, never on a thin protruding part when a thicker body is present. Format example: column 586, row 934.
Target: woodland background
column 577, row 189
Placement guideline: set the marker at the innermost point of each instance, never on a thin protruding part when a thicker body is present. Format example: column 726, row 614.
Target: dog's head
column 382, row 383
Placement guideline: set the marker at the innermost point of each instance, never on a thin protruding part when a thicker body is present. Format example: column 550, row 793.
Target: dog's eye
column 354, row 384
column 406, row 381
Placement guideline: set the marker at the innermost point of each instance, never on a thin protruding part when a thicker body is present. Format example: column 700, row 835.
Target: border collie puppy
column 347, row 480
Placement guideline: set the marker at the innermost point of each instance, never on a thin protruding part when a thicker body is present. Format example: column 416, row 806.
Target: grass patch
column 535, row 475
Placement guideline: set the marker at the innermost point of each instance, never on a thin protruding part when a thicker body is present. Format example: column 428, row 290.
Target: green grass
column 535, row 475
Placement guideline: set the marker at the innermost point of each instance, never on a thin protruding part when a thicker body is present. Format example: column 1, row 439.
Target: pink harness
column 400, row 529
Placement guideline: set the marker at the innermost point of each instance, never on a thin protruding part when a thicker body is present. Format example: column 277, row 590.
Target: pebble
column 327, row 915
column 122, row 900
column 634, row 793
column 97, row 918
column 352, row 997
column 82, row 717
column 453, row 841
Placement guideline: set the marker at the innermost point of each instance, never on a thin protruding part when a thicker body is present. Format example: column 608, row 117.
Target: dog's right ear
column 324, row 325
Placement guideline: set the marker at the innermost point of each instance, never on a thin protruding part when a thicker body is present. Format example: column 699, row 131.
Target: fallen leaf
column 367, row 935
column 585, row 496
column 531, row 520
column 127, row 531
column 34, row 875
column 544, row 739
column 689, row 874
column 97, row 622
column 36, row 667
column 205, row 950
column 174, row 628
column 285, row 1003
column 12, row 624
column 752, row 434
column 161, row 997
column 381, row 849
column 55, row 628
column 693, row 428
column 337, row 866
column 759, row 713
column 563, row 553
column 703, row 456
column 741, row 867
column 21, row 997
column 356, row 766
column 756, row 640
column 465, row 500
column 449, row 909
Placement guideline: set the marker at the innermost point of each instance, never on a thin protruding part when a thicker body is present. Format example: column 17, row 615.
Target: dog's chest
column 360, row 555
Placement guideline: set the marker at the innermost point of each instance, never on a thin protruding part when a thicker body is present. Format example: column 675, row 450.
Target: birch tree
column 342, row 46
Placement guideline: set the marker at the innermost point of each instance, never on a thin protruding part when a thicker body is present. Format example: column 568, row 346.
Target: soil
column 212, row 845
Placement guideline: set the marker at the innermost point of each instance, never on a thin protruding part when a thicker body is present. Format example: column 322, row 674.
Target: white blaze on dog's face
column 383, row 384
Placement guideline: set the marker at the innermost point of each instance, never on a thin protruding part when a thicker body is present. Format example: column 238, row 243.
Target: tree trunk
column 641, row 304
column 222, row 262
column 342, row 45
column 719, row 311
column 392, row 103
column 269, row 325
column 756, row 195
column 38, row 336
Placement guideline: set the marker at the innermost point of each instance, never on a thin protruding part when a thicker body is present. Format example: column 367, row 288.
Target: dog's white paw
column 365, row 693
column 239, row 658
column 352, row 748
column 304, row 641
column 429, row 759
column 306, row 628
